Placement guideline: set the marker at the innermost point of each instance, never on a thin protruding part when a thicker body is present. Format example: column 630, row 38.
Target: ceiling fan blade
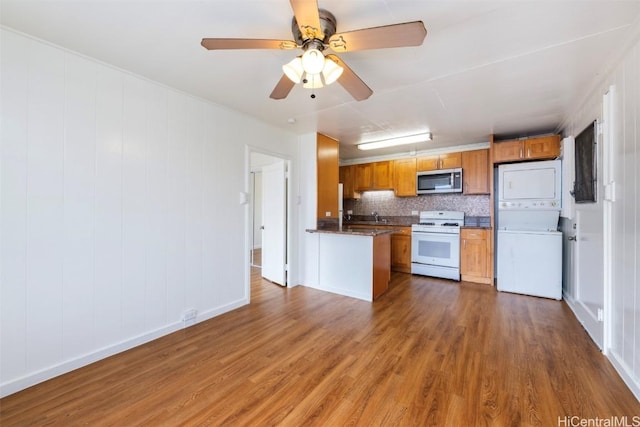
column 351, row 82
column 283, row 88
column 308, row 18
column 397, row 35
column 212, row 44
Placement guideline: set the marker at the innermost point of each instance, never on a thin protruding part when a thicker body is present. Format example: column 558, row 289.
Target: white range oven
column 435, row 244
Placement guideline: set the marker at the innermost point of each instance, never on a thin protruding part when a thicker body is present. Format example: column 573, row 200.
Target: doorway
column 268, row 187
column 256, row 218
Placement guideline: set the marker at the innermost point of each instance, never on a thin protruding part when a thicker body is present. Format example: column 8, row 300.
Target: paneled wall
column 119, row 209
column 624, row 345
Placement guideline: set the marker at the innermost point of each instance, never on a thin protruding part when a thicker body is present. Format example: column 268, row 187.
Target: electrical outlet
column 349, row 212
column 328, row 213
column 189, row 317
column 600, row 315
column 415, row 213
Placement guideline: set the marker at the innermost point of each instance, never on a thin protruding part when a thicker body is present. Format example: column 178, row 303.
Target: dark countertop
column 480, row 222
column 398, row 221
column 346, row 230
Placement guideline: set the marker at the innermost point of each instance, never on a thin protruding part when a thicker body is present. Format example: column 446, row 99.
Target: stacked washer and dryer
column 529, row 245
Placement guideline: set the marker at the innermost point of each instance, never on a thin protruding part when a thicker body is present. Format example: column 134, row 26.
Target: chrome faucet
column 375, row 216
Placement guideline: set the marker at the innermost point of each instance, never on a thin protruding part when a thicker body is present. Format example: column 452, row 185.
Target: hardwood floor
column 428, row 352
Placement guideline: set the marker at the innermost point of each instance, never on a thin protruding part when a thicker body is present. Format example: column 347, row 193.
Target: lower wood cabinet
column 475, row 255
column 401, row 250
column 400, row 246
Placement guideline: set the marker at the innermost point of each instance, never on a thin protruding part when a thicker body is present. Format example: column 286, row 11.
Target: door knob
column 572, row 238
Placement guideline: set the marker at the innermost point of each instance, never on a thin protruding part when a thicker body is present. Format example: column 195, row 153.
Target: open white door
column 589, row 249
column 274, row 217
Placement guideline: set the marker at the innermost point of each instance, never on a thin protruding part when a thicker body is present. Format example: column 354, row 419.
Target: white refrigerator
column 529, row 247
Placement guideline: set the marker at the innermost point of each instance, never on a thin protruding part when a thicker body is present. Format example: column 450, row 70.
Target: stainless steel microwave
column 439, row 181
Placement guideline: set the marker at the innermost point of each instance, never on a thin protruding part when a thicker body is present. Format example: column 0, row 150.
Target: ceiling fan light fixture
column 312, row 81
column 294, row 70
column 331, row 71
column 392, row 142
column 313, row 61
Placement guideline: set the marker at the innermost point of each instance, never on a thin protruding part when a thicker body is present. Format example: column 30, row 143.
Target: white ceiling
column 511, row 68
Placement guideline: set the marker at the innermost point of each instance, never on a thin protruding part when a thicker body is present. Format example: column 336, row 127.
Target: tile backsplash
column 386, row 204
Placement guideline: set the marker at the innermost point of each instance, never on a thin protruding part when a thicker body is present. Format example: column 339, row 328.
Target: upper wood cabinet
column 442, row 161
column 374, row 176
column 404, row 177
column 327, row 172
column 475, row 172
column 364, row 177
column 347, row 176
column 545, row 147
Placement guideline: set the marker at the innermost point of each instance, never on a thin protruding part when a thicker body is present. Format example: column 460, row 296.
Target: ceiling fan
column 314, row 30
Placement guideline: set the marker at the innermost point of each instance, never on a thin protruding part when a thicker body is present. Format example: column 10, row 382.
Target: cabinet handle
column 465, row 243
column 521, row 153
column 528, row 152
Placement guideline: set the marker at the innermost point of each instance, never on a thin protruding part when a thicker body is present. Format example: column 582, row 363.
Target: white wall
column 119, row 204
column 624, row 346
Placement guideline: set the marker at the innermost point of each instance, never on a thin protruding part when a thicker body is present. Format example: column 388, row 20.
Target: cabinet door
column 428, row 163
column 475, row 172
column 401, row 250
column 383, row 175
column 404, row 177
column 347, row 178
column 364, row 177
column 450, row 160
column 547, row 147
column 474, row 253
column 327, row 173
column 507, row 151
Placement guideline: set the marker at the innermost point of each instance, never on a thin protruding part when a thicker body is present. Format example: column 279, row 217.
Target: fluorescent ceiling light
column 412, row 139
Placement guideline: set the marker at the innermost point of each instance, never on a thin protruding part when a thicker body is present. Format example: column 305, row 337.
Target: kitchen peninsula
column 354, row 262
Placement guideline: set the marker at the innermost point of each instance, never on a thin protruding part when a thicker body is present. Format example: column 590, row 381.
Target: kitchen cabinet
column 401, row 250
column 327, row 173
column 442, row 161
column 347, row 176
column 475, row 255
column 404, row 178
column 374, row 176
column 400, row 245
column 475, row 172
column 545, row 147
column 352, row 264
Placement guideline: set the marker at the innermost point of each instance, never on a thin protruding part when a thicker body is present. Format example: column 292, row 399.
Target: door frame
column 247, row 200
column 608, row 199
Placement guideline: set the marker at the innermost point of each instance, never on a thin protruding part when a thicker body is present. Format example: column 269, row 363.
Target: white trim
column 581, row 313
column 625, row 373
column 37, row 377
column 608, row 118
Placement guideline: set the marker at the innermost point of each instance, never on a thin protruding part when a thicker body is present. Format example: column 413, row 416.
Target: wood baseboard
column 476, row 279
